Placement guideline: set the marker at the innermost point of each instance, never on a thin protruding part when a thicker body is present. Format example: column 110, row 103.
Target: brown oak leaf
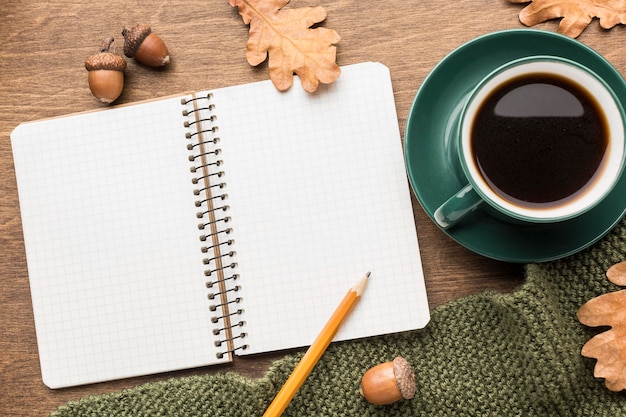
column 608, row 347
column 576, row 14
column 292, row 45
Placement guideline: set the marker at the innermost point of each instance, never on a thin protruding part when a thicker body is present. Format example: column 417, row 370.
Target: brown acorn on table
column 106, row 73
column 145, row 46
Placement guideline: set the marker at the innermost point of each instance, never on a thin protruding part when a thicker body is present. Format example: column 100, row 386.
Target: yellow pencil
column 315, row 351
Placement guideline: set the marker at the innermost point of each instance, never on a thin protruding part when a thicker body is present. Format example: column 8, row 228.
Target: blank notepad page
column 318, row 196
column 112, row 244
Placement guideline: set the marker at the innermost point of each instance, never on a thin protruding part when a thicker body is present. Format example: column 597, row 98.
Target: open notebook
column 179, row 232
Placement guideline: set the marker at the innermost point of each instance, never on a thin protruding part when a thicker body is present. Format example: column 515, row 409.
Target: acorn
column 145, row 46
column 106, row 73
column 389, row 382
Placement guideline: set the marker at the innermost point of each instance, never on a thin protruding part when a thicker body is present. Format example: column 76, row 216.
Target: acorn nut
column 106, row 73
column 145, row 46
column 389, row 382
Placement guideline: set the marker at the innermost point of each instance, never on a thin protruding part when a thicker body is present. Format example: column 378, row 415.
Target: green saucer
column 433, row 167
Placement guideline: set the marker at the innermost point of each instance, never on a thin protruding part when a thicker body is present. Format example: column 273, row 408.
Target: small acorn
column 145, row 46
column 389, row 382
column 106, row 73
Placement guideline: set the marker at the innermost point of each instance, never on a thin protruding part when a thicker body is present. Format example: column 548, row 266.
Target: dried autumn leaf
column 609, row 347
column 576, row 14
column 293, row 46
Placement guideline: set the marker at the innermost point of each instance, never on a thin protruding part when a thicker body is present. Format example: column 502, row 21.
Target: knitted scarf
column 491, row 354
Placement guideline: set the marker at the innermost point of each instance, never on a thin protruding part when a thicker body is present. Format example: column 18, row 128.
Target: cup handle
column 458, row 206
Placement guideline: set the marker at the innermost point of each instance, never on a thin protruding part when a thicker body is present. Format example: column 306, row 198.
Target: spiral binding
column 222, row 281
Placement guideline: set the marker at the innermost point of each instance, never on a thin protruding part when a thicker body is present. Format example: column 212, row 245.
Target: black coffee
column 539, row 139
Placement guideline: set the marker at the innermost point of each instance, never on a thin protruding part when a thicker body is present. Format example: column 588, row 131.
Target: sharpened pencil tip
column 368, row 274
column 359, row 287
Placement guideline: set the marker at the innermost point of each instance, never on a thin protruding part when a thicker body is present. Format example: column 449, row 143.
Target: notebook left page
column 112, row 244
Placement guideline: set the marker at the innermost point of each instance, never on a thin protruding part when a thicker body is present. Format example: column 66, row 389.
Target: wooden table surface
column 43, row 46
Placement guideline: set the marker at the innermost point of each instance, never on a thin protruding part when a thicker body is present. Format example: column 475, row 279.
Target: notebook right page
column 318, row 196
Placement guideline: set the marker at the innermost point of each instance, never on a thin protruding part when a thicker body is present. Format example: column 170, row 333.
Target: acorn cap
column 134, row 37
column 105, row 61
column 405, row 378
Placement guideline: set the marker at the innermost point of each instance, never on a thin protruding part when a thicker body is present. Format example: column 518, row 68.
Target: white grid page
column 112, row 244
column 319, row 196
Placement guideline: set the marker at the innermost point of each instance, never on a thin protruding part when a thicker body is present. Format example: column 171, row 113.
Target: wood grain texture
column 42, row 52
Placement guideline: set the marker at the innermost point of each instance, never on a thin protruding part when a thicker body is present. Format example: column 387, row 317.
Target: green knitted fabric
column 491, row 354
